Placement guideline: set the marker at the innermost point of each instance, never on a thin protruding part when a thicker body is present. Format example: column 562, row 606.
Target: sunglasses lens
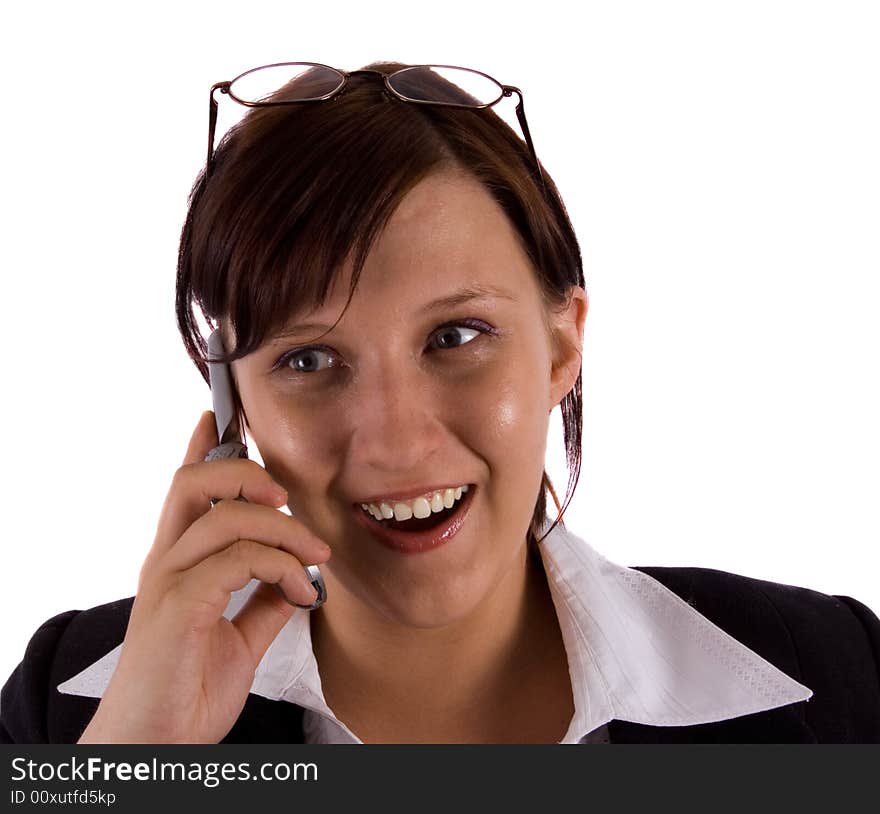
column 292, row 81
column 440, row 84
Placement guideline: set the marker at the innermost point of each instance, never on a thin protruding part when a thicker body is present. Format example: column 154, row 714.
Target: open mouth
column 421, row 523
column 419, row 534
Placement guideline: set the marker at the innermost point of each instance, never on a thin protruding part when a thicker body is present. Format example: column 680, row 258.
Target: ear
column 567, row 343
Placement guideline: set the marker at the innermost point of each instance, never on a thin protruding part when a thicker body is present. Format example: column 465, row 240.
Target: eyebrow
column 474, row 291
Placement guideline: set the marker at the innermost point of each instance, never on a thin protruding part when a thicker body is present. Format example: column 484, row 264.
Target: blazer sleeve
column 24, row 697
column 836, row 640
column 33, row 711
column 870, row 623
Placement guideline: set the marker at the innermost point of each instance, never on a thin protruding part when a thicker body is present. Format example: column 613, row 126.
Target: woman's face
column 401, row 395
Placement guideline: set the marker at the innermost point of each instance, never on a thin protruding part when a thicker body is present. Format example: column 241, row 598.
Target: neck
column 373, row 670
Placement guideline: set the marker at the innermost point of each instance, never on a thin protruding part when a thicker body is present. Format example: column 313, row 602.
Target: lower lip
column 416, row 542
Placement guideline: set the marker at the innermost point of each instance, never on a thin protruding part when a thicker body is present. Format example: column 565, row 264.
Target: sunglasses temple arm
column 521, row 116
column 212, row 124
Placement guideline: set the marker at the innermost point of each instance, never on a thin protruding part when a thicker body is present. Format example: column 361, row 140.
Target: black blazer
column 831, row 644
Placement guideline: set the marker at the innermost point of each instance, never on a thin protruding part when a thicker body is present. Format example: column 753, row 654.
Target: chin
column 412, row 604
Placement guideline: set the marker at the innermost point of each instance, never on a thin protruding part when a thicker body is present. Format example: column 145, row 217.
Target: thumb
column 204, row 439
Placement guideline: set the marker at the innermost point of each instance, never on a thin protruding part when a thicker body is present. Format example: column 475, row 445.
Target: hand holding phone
column 231, row 443
column 185, row 670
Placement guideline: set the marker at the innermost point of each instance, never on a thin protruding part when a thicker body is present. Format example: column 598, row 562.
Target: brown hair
column 296, row 190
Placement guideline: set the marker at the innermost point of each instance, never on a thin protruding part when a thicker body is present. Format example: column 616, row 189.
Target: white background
column 720, row 165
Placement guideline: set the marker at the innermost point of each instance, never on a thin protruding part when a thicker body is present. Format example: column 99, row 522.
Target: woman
column 402, row 297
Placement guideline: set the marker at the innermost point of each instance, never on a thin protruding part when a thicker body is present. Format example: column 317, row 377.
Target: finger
column 203, row 440
column 214, row 579
column 196, row 484
column 261, row 618
column 230, row 521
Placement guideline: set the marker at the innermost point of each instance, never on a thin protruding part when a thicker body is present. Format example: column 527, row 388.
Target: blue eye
column 457, row 328
column 304, row 361
column 307, row 360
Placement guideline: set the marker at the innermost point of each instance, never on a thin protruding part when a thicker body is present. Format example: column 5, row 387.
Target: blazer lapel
column 781, row 725
column 265, row 721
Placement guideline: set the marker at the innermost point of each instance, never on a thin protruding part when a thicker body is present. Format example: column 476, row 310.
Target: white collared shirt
column 636, row 652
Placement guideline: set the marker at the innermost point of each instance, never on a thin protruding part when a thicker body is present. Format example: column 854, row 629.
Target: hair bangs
column 274, row 242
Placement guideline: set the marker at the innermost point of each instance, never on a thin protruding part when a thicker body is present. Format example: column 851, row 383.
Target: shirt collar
column 636, row 652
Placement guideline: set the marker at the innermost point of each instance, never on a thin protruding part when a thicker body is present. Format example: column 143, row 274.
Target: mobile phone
column 231, row 444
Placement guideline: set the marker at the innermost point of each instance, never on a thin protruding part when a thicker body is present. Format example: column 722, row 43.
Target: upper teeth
column 419, row 507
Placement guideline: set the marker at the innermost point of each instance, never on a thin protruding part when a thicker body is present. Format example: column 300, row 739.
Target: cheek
column 289, row 439
column 508, row 411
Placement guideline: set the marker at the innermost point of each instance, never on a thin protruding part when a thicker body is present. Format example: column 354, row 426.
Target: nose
column 397, row 427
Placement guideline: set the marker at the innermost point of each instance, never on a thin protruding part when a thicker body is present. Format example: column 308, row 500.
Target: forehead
column 447, row 208
column 448, row 229
column 445, row 195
